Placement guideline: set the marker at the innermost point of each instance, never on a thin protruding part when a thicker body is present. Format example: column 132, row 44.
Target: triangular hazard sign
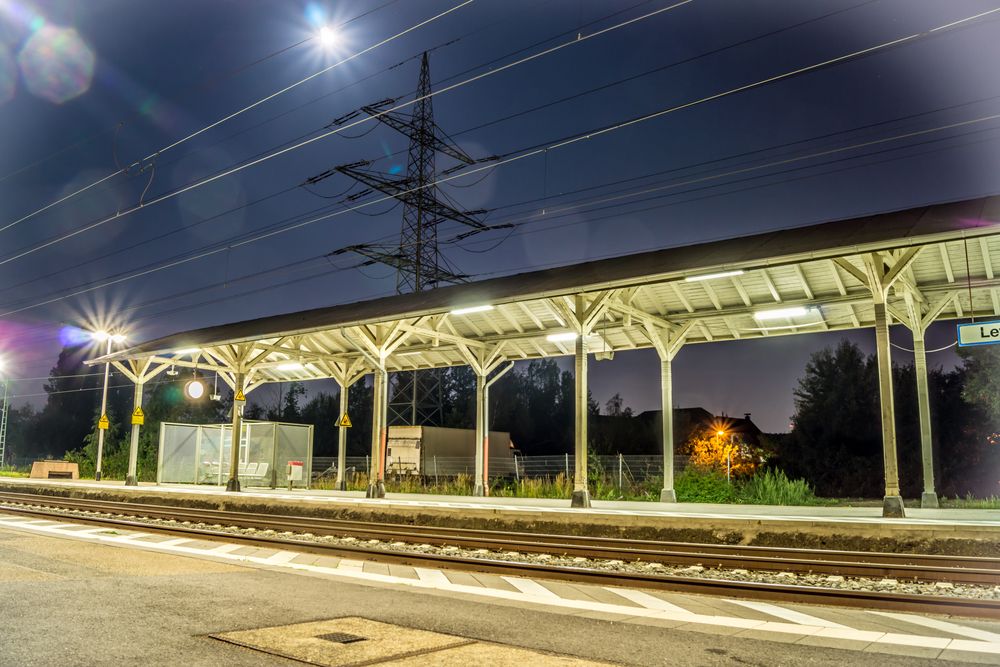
column 345, row 421
column 239, row 397
column 103, row 422
column 138, row 412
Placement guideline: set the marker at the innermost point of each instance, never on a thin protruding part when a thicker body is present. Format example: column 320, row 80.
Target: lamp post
column 3, row 416
column 102, row 422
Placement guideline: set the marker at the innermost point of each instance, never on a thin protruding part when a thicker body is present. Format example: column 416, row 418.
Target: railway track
column 919, row 567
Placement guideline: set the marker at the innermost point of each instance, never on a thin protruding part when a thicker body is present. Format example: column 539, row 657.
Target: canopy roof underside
column 932, row 263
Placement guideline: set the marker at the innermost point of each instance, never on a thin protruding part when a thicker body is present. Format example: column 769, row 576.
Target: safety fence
column 619, row 467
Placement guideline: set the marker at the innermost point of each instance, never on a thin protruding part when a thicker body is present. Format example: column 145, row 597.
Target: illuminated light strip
column 472, row 309
column 713, row 276
column 783, row 313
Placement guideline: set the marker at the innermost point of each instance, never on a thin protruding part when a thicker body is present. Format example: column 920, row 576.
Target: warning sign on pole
column 103, row 423
column 345, row 421
column 138, row 417
column 240, row 397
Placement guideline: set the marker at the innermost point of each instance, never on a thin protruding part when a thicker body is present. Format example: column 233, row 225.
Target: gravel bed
column 849, row 583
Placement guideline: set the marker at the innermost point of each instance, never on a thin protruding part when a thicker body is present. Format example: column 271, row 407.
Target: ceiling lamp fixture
column 563, row 337
column 472, row 309
column 713, row 276
column 783, row 313
column 291, row 366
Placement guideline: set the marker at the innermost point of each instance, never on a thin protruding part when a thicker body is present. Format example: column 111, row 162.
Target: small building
column 434, row 450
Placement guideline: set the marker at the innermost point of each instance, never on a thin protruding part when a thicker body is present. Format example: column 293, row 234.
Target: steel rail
column 955, row 606
column 923, row 567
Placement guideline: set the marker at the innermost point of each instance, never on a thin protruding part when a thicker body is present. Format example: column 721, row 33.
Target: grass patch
column 703, row 486
column 12, row 473
column 971, row 503
column 772, row 487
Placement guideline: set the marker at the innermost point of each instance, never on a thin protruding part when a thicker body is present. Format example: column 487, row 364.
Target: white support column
column 667, row 493
column 581, row 494
column 929, row 497
column 341, row 483
column 234, row 452
column 482, row 433
column 892, row 503
column 667, row 340
column 132, row 478
column 380, row 400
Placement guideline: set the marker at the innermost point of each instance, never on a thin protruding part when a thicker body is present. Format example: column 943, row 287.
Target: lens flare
column 56, row 64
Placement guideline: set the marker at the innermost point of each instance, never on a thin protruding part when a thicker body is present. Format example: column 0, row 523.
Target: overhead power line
column 229, row 117
column 515, row 156
column 494, row 121
column 306, row 142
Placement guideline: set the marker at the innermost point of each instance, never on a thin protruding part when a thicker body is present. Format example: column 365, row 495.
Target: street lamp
column 102, row 423
column 3, row 415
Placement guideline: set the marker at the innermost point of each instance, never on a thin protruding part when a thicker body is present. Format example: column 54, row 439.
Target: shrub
column 772, row 487
column 696, row 485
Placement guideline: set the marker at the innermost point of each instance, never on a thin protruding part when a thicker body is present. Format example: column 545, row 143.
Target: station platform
column 969, row 532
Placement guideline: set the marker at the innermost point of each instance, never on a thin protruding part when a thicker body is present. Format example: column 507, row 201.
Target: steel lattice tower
column 414, row 397
column 418, row 239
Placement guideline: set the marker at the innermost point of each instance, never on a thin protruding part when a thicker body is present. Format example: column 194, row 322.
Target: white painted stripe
column 165, row 544
column 226, row 549
column 945, row 626
column 646, row 600
column 431, row 576
column 530, row 587
column 787, row 614
column 280, row 558
column 348, row 564
column 353, row 572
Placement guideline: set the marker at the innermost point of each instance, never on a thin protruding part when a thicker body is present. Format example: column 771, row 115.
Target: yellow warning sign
column 138, row 417
column 103, row 423
column 345, row 421
column 240, row 397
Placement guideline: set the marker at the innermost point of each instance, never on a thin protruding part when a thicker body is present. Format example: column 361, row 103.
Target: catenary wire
column 306, row 142
column 234, row 115
column 326, row 216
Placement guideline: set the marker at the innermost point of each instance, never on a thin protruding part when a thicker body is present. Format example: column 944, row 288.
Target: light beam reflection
column 56, row 64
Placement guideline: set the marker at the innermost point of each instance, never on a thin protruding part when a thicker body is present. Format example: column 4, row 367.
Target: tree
column 835, row 442
column 710, row 451
column 68, row 415
column 982, row 378
column 615, row 407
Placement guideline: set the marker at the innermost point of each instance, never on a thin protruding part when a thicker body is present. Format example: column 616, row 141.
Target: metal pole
column 132, row 479
column 667, row 493
column 376, row 480
column 435, row 469
column 104, row 408
column 3, row 423
column 892, row 504
column 929, row 497
column 619, row 471
column 234, row 454
column 478, row 489
column 341, row 483
column 581, row 494
column 567, row 465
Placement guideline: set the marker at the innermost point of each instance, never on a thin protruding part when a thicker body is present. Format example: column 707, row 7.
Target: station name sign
column 978, row 333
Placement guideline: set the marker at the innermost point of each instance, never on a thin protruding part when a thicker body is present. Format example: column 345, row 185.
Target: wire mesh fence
column 618, row 467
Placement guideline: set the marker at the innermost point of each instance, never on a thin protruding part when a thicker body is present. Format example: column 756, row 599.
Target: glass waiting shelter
column 200, row 453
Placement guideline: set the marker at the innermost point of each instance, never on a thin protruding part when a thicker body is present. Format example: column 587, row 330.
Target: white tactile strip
column 503, row 505
column 900, row 632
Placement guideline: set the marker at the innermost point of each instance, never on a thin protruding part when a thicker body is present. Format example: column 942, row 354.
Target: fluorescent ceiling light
column 292, row 366
column 188, row 350
column 561, row 337
column 472, row 309
column 782, row 313
column 712, row 276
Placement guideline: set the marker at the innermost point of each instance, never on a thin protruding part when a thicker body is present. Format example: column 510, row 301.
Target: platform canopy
column 930, row 263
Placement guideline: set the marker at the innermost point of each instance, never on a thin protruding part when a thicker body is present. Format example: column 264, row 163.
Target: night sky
column 87, row 88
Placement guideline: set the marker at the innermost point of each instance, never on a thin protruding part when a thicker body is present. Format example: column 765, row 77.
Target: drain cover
column 340, row 637
column 358, row 642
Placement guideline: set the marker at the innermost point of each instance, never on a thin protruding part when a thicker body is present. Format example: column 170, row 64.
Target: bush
column 772, row 487
column 703, row 486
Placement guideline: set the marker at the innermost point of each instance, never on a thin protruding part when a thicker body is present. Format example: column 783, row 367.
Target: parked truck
column 434, row 450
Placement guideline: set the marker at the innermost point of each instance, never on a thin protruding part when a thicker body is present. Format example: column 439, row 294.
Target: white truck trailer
column 433, row 450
